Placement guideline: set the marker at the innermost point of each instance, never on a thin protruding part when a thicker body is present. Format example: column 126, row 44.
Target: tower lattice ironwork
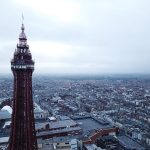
column 23, row 135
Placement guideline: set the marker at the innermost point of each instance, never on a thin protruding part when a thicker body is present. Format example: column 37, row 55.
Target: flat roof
column 129, row 143
column 56, row 124
column 89, row 124
column 51, row 132
column 64, row 118
column 4, row 139
column 92, row 147
column 63, row 123
column 71, row 139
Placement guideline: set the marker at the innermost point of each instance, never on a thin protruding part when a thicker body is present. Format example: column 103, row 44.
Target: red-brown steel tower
column 23, row 135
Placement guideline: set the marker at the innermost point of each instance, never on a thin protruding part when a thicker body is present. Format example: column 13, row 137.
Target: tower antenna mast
column 22, row 18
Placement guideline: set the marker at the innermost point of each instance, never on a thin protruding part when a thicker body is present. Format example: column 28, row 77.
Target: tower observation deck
column 23, row 135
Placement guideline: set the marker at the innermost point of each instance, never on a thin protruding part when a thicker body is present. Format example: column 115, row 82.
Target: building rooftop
column 7, row 123
column 129, row 143
column 4, row 140
column 4, row 114
column 8, row 108
column 72, row 139
column 37, row 108
column 90, row 124
column 64, row 118
column 57, row 124
column 92, row 147
column 54, row 132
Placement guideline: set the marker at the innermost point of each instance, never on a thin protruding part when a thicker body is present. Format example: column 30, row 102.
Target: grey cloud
column 113, row 36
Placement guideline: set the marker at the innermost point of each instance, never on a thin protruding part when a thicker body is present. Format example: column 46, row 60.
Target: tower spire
column 22, row 18
column 22, row 27
column 22, row 35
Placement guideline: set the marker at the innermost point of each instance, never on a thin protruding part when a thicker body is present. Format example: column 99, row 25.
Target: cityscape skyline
column 79, row 37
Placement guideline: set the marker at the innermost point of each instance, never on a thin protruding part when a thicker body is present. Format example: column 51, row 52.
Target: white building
column 148, row 140
column 39, row 113
column 7, row 108
column 136, row 134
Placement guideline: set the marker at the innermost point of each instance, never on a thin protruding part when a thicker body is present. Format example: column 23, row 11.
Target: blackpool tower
column 23, row 135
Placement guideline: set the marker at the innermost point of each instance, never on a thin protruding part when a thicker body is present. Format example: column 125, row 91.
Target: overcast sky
column 78, row 36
